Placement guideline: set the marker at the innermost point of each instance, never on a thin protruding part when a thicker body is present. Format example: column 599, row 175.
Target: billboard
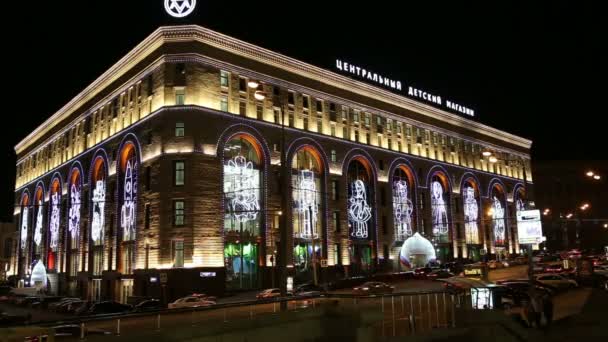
column 529, row 227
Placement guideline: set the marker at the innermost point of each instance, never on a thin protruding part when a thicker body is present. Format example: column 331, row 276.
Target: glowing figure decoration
column 499, row 221
column 24, row 223
column 99, row 198
column 306, row 204
column 38, row 227
column 416, row 252
column 471, row 214
column 402, row 210
column 241, row 188
column 359, row 211
column 127, row 215
column 74, row 214
column 54, row 224
column 519, row 205
column 438, row 205
column 179, row 8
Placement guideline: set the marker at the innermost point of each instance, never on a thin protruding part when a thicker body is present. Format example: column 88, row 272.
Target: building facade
column 8, row 244
column 164, row 175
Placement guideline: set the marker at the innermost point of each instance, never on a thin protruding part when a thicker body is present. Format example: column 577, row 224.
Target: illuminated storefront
column 168, row 179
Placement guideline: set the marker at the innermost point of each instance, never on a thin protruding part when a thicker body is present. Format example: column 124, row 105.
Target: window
column 336, row 220
column 385, row 250
column 291, row 119
column 334, row 156
column 335, row 194
column 381, row 164
column 147, row 216
column 259, row 109
column 319, row 106
column 276, row 91
column 224, row 104
column 179, row 173
column 367, row 138
column 367, row 119
column 180, row 69
column 242, row 108
column 180, row 96
column 178, row 213
column 242, row 84
column 319, row 125
column 224, row 78
column 344, row 132
column 305, row 101
column 306, row 123
column 344, row 114
column 380, row 140
column 177, row 253
column 180, row 129
column 333, row 130
column 356, row 116
column 290, row 98
column 357, row 136
column 277, row 114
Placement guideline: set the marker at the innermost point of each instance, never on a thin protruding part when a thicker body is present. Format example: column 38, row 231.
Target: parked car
column 56, row 305
column 148, row 305
column 204, row 296
column 308, row 290
column 439, row 274
column 556, row 281
column 190, row 302
column 373, row 287
column 554, row 268
column 493, row 264
column 7, row 320
column 108, row 307
column 269, row 293
column 524, row 286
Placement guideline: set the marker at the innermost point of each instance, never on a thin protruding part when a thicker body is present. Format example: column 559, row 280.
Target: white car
column 556, row 281
column 190, row 302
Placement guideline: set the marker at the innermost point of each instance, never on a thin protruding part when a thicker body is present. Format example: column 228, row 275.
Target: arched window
column 360, row 214
column 24, row 225
column 54, row 221
column 75, row 193
column 128, row 167
column 243, row 213
column 404, row 215
column 440, row 207
column 307, row 216
column 98, row 201
column 470, row 205
column 498, row 214
column 38, row 221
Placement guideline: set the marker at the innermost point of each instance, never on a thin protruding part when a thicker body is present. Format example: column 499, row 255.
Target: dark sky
column 529, row 69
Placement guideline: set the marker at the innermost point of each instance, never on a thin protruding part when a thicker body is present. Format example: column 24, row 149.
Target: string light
column 440, row 215
column 359, row 211
column 471, row 214
column 402, row 210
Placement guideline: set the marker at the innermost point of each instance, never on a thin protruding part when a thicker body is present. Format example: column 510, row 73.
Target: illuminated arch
column 98, row 174
column 365, row 158
column 75, row 182
column 439, row 171
column 494, row 182
column 24, row 223
column 309, row 216
column 245, row 161
column 38, row 222
column 404, row 185
column 54, row 220
column 127, row 171
column 519, row 196
column 472, row 209
column 498, row 212
column 440, row 192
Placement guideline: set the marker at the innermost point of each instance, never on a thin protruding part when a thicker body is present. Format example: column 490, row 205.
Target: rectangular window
column 291, row 123
column 276, row 91
column 335, row 194
column 305, row 101
column 357, row 136
column 277, row 115
column 380, row 140
column 320, row 125
column 147, row 216
column 242, row 84
column 356, row 116
column 180, row 129
column 242, row 108
column 344, row 114
column 224, row 104
column 178, row 213
column 319, row 106
column 334, row 156
column 336, row 220
column 306, row 123
column 291, row 98
column 367, row 138
column 224, row 78
column 367, row 119
column 177, row 253
column 385, row 252
column 344, row 132
column 337, row 256
column 180, row 96
column 259, row 109
column 333, row 130
column 179, row 173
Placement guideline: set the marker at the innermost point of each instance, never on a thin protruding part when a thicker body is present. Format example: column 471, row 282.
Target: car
column 269, row 293
column 554, row 268
column 493, row 264
column 56, row 305
column 601, row 269
column 556, row 281
column 190, row 302
column 148, row 305
column 7, row 319
column 439, row 274
column 524, row 286
column 373, row 287
column 204, row 296
column 421, row 272
column 308, row 290
column 108, row 307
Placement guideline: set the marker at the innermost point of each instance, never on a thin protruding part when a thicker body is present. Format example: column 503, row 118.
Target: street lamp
column 590, row 174
column 253, row 84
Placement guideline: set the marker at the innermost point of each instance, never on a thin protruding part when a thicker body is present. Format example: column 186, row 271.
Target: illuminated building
column 165, row 174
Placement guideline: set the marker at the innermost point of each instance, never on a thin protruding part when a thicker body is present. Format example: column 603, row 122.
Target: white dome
column 414, row 246
column 38, row 278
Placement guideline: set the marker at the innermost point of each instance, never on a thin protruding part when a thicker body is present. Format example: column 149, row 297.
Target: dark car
column 421, row 272
column 373, row 287
column 439, row 274
column 148, row 305
column 7, row 319
column 108, row 308
column 308, row 290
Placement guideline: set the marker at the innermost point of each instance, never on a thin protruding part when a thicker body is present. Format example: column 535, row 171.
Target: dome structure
column 38, row 278
column 417, row 251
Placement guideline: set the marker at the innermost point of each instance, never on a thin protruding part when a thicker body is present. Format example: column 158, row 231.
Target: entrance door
column 126, row 290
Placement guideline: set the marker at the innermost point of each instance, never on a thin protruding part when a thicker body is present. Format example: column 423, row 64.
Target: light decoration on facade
column 74, row 214
column 306, row 204
column 241, row 189
column 54, row 224
column 127, row 215
column 359, row 211
column 99, row 197
column 498, row 215
column 402, row 210
column 179, row 8
column 471, row 214
column 438, row 205
column 38, row 227
column 24, row 226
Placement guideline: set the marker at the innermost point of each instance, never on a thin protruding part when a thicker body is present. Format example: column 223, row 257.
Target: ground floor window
column 360, row 259
column 96, row 290
column 97, row 260
column 74, row 263
column 126, row 290
column 242, row 269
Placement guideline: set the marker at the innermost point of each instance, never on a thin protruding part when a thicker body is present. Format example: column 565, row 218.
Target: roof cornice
column 232, row 45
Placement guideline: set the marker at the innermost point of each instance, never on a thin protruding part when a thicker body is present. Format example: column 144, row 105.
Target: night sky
column 529, row 69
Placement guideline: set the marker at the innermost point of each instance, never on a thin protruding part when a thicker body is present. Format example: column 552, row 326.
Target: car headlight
column 365, row 288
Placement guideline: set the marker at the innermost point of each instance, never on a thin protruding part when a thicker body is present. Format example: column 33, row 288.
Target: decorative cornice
column 190, row 33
